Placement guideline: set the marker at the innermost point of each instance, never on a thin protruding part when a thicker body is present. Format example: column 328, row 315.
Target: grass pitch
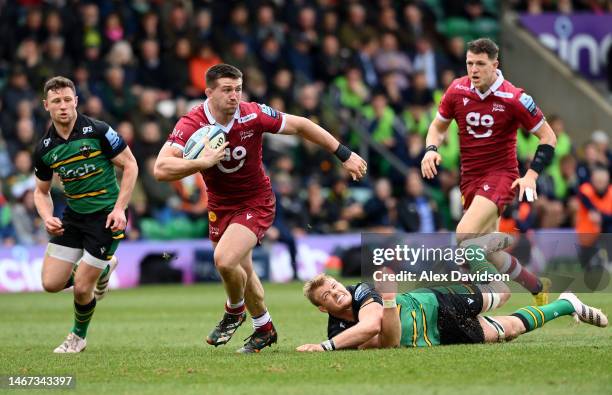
column 150, row 340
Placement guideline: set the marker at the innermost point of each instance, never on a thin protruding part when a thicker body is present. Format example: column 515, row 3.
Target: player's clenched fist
column 356, row 166
column 54, row 226
column 429, row 163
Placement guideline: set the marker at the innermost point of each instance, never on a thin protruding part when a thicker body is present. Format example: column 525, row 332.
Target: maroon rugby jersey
column 488, row 123
column 240, row 175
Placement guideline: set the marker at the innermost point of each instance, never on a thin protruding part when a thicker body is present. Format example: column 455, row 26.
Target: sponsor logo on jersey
column 212, row 217
column 176, row 134
column 505, row 95
column 486, row 187
column 247, row 118
column 462, row 87
column 245, row 134
column 87, row 129
column 214, row 231
column 465, row 101
column 269, row 111
column 249, row 216
column 78, row 172
column 470, row 300
column 113, row 138
column 85, row 150
column 498, row 107
column 529, row 104
column 360, row 292
column 46, row 142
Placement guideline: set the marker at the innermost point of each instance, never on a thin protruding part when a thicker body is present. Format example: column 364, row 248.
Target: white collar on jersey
column 225, row 128
column 492, row 88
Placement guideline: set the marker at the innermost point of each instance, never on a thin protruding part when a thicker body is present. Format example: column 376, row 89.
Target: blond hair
column 312, row 285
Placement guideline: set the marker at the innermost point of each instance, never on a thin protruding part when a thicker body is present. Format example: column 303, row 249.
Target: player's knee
column 82, row 291
column 52, row 286
column 224, row 261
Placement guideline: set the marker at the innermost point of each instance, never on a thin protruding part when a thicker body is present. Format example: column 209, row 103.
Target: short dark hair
column 57, row 83
column 221, row 70
column 484, row 45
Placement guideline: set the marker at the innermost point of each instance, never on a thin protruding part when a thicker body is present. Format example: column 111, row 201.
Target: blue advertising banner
column 581, row 40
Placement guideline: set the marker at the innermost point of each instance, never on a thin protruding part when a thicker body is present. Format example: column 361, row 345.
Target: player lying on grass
column 360, row 317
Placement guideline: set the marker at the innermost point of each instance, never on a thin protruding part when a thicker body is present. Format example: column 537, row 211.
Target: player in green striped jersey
column 360, row 317
column 83, row 152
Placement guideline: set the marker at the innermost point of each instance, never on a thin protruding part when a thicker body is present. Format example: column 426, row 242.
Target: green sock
column 479, row 265
column 82, row 317
column 536, row 316
column 70, row 282
column 105, row 271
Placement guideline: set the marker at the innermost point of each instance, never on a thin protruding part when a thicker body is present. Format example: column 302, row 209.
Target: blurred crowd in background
column 369, row 72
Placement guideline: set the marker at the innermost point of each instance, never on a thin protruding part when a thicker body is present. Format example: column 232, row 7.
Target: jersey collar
column 55, row 134
column 225, row 128
column 492, row 88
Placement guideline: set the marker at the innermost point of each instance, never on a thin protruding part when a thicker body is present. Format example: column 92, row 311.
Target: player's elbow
column 373, row 328
column 160, row 173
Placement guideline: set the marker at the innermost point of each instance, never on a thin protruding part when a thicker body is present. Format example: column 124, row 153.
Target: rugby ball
column 195, row 144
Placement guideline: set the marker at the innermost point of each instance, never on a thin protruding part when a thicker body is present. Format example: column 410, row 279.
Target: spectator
column 95, row 108
column 176, row 71
column 271, row 58
column 18, row 89
column 602, row 144
column 428, row 61
column 29, row 227
column 355, row 29
column 364, row 57
column 240, row 56
column 116, row 95
column 177, row 25
column 415, row 211
column 151, row 70
column 329, row 63
column 343, row 211
column 56, row 62
column 204, row 59
column 147, row 112
column 455, row 60
column 379, row 211
column 7, row 230
column 390, row 59
column 594, row 215
column 25, row 138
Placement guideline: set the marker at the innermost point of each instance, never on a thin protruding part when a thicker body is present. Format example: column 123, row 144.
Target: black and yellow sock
column 534, row 317
column 479, row 265
column 82, row 317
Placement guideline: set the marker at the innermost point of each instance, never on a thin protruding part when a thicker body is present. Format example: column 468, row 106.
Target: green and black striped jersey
column 83, row 163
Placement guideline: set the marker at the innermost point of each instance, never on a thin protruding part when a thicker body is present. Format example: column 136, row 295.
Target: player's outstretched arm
column 369, row 325
column 543, row 156
column 127, row 163
column 44, row 206
column 353, row 163
column 435, row 137
column 170, row 165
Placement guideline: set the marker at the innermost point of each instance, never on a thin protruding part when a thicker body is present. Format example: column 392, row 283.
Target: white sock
column 261, row 320
column 235, row 305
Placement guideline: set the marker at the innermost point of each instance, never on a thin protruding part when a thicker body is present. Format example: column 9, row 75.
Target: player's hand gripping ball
column 210, row 136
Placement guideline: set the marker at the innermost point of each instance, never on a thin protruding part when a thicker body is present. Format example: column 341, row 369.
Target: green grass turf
column 150, row 340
